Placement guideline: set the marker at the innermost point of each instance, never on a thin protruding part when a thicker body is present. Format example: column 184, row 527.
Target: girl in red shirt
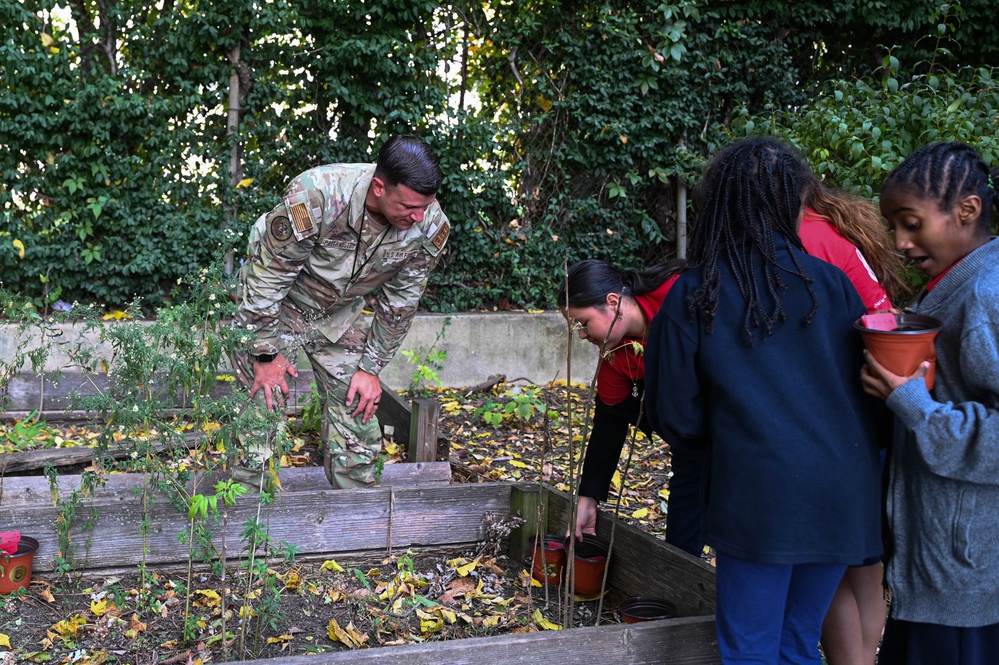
column 612, row 308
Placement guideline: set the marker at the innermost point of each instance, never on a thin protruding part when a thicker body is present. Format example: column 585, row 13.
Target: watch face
column 280, row 228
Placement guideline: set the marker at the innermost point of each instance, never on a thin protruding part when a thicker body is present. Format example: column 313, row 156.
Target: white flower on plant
column 135, row 407
column 211, row 297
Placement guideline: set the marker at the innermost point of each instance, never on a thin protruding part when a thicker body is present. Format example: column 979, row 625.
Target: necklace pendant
column 634, row 390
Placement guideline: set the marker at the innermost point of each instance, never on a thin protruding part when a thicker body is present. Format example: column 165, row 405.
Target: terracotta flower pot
column 634, row 610
column 589, row 562
column 549, row 560
column 902, row 350
column 15, row 569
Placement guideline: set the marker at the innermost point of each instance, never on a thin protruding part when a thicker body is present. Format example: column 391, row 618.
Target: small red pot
column 15, row 569
column 637, row 609
column 549, row 560
column 590, row 561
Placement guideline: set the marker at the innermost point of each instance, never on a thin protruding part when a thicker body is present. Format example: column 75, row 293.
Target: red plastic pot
column 637, row 609
column 902, row 350
column 16, row 568
column 589, row 562
column 549, row 560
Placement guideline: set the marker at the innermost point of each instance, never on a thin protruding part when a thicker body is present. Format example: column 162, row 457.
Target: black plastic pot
column 634, row 610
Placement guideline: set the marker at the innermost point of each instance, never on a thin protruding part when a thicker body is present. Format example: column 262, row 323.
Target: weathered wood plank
column 689, row 641
column 317, row 521
column 57, row 391
column 29, row 490
column 31, row 460
column 52, row 396
column 423, row 430
column 642, row 565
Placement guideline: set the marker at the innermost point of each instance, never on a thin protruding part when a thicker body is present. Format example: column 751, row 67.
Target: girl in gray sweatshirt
column 943, row 491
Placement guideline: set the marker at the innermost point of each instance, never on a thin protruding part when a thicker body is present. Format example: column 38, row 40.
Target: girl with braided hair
column 753, row 358
column 942, row 563
column 612, row 307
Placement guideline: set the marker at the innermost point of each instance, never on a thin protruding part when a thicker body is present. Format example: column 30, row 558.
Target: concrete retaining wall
column 518, row 345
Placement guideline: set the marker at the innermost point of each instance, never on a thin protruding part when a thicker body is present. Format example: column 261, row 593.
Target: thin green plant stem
column 249, row 578
column 225, row 524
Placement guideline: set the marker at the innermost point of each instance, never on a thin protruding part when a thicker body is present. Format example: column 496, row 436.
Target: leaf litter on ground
column 511, row 432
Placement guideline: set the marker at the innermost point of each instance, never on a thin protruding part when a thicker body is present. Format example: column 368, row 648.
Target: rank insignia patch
column 441, row 236
column 280, row 228
column 303, row 221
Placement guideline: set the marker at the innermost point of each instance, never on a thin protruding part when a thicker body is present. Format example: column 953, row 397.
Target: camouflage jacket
column 320, row 253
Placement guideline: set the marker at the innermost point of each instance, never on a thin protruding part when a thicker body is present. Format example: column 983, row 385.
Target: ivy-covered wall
column 563, row 127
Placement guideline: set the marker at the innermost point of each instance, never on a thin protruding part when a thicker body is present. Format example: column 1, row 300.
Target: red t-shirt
column 936, row 280
column 823, row 241
column 620, row 370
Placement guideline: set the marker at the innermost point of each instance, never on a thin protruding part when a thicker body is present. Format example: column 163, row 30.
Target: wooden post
column 527, row 502
column 393, row 412
column 423, row 430
column 232, row 127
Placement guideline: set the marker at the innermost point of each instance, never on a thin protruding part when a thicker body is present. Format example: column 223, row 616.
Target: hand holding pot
column 880, row 382
column 586, row 516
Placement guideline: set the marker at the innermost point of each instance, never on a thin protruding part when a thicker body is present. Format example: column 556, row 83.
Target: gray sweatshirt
column 943, row 496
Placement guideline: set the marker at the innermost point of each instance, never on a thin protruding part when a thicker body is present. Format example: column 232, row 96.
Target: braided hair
column 590, row 281
column 945, row 173
column 751, row 190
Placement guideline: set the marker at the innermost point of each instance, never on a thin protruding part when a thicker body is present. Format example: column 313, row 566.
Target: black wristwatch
column 265, row 358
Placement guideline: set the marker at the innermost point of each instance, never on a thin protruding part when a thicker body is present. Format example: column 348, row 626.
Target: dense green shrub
column 564, row 128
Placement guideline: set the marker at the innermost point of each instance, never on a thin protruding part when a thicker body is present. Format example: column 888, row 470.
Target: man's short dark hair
column 409, row 161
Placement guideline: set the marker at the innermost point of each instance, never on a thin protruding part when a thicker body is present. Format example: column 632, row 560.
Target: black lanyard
column 355, row 271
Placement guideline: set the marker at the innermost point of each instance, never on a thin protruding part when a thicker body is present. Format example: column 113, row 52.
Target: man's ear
column 378, row 186
column 969, row 209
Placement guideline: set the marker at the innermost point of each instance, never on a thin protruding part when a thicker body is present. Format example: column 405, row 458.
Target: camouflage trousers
column 351, row 447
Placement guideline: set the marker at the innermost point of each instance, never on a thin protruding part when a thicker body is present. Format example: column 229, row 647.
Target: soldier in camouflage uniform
column 341, row 232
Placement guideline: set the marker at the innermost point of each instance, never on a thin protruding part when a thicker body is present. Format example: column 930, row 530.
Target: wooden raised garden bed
column 417, row 507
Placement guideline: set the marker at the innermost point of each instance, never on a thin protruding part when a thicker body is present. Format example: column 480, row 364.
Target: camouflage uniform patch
column 305, row 293
column 441, row 236
column 303, row 222
column 280, row 228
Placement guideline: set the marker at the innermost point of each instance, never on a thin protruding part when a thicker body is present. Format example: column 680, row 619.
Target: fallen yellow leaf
column 641, row 513
column 207, row 598
column 291, row 580
column 4, row 640
column 99, row 607
column 348, row 636
column 70, row 628
column 544, row 624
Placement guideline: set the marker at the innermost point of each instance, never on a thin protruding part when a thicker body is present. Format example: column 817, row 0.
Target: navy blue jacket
column 794, row 471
